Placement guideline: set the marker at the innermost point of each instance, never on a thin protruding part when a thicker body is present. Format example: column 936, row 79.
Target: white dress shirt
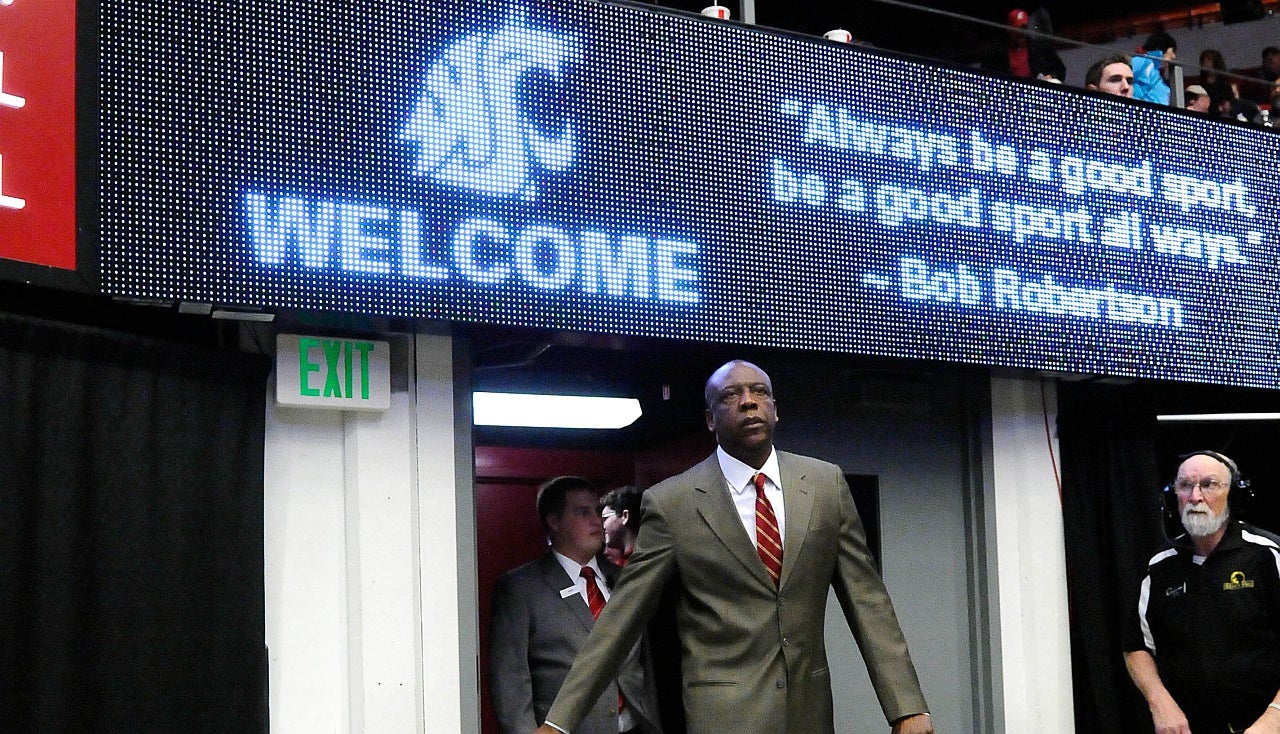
column 574, row 569
column 738, row 476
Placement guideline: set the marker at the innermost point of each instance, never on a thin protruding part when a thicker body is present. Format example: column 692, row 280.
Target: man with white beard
column 1204, row 645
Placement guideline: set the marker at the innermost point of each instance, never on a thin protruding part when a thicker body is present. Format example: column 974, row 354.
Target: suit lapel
column 716, row 508
column 554, row 576
column 797, row 501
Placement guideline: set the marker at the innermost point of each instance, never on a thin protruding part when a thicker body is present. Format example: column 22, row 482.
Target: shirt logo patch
column 1238, row 581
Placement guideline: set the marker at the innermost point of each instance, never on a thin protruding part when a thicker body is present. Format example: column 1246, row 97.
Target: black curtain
column 131, row 533
column 1110, row 488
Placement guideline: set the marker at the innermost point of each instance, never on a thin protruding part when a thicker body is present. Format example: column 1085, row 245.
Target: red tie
column 595, row 602
column 768, row 539
column 595, row 599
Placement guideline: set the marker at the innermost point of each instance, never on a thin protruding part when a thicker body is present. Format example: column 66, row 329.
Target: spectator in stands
column 1019, row 54
column 1035, row 53
column 1270, row 70
column 1259, row 90
column 1112, row 75
column 1024, row 56
column 1239, row 110
column 1212, row 68
column 1197, row 99
column 1151, row 67
column 1046, row 64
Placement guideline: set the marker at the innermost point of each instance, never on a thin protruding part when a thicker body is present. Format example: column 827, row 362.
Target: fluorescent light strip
column 553, row 411
column 1206, row 417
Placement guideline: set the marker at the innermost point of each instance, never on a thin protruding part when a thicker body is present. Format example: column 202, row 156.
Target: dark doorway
column 866, row 497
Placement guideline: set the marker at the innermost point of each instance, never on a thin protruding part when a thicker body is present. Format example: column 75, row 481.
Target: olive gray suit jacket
column 754, row 657
column 534, row 635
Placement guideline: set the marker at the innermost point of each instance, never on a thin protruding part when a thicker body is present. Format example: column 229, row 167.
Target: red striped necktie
column 595, row 597
column 768, row 539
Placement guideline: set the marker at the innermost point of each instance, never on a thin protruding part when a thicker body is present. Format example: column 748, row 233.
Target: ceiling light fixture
column 1208, row 417
column 553, row 411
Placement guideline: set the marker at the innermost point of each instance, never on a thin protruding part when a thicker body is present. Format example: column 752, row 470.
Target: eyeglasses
column 1207, row 485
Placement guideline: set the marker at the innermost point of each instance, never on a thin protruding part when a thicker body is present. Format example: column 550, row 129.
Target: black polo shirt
column 1214, row 627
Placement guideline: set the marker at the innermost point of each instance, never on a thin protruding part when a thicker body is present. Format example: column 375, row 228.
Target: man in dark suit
column 752, row 539
column 543, row 612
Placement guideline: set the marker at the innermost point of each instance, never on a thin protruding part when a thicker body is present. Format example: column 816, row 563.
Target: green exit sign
column 330, row 372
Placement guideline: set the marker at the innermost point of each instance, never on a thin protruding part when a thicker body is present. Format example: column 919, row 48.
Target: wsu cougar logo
column 467, row 125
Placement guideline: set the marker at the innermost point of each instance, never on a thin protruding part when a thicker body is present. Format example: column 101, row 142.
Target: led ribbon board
column 608, row 168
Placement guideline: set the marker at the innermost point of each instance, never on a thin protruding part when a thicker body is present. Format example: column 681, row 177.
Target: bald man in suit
column 754, row 648
column 542, row 615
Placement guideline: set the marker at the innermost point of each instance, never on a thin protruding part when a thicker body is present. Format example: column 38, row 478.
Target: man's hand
column 1168, row 717
column 917, row 724
column 1268, row 723
column 1165, row 712
column 548, row 729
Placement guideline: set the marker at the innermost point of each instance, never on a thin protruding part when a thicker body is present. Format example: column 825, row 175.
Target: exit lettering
column 339, row 358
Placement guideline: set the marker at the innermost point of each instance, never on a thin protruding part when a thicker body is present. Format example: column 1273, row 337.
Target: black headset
column 1238, row 496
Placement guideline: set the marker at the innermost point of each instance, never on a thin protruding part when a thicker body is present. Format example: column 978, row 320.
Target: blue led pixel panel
column 604, row 167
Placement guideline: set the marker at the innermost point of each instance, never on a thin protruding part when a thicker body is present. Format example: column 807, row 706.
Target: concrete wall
column 908, row 430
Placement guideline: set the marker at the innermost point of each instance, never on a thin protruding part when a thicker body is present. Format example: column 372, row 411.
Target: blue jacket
column 1147, row 82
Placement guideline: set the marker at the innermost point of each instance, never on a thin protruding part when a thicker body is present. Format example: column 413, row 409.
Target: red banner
column 38, row 131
